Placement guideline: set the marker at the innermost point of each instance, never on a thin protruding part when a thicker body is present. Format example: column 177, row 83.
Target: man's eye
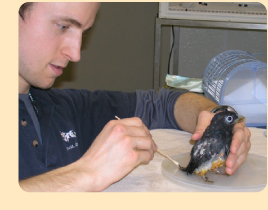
column 62, row 27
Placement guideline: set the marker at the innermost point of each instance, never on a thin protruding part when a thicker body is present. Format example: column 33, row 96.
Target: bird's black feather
column 214, row 144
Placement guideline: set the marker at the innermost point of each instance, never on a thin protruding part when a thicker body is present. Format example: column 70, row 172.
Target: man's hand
column 240, row 142
column 118, row 149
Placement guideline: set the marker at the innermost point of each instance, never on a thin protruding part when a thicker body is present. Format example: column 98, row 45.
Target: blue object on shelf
column 236, row 78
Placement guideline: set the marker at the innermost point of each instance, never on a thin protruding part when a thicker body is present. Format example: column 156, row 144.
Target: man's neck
column 24, row 90
column 24, row 87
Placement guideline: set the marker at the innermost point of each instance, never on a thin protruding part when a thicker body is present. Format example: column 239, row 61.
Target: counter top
column 149, row 178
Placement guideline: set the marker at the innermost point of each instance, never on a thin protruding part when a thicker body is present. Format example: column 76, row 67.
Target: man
column 69, row 139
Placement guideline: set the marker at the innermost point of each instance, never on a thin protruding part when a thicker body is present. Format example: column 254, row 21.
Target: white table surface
column 149, row 178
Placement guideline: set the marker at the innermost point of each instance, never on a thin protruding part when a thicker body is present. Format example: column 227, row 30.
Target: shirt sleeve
column 157, row 109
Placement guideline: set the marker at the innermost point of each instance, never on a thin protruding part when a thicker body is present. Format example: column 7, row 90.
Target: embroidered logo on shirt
column 70, row 139
column 68, row 135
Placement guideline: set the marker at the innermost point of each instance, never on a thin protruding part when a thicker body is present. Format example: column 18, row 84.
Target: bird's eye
column 229, row 119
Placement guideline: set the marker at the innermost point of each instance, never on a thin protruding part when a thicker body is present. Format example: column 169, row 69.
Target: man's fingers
column 145, row 156
column 233, row 162
column 239, row 148
column 142, row 143
column 130, row 130
column 241, row 139
column 134, row 133
column 142, row 150
column 134, row 127
column 203, row 122
column 133, row 122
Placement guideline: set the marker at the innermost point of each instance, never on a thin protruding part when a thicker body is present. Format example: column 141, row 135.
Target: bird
column 210, row 152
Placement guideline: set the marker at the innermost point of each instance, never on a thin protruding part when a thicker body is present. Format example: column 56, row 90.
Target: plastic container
column 251, row 176
column 238, row 79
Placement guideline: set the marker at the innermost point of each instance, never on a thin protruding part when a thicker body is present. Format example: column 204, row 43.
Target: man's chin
column 44, row 86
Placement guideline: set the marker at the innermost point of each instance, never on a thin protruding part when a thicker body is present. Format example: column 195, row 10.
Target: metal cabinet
column 194, row 24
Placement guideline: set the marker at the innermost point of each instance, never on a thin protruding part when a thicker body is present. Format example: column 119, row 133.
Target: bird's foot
column 206, row 179
column 220, row 173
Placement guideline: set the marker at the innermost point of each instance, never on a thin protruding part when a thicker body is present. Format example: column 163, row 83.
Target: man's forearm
column 188, row 108
column 65, row 179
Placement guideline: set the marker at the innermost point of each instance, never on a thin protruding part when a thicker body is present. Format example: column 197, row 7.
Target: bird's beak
column 240, row 119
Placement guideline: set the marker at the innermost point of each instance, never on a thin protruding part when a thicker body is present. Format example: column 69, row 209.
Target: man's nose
column 72, row 48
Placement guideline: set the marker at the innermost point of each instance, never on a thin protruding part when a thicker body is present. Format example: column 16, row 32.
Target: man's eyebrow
column 72, row 21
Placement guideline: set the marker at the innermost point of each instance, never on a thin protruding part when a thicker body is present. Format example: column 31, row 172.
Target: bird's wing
column 206, row 149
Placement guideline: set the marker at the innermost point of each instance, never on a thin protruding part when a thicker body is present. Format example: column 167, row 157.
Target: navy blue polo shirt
column 70, row 120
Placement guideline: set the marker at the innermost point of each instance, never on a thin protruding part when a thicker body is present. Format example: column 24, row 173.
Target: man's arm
column 65, row 179
column 193, row 114
column 117, row 150
column 188, row 108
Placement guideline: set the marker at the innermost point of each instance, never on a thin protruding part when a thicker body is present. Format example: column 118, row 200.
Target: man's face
column 49, row 37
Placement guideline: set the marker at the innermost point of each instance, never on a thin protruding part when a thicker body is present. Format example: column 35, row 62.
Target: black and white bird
column 210, row 152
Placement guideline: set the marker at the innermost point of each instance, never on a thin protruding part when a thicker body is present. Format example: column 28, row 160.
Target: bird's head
column 226, row 119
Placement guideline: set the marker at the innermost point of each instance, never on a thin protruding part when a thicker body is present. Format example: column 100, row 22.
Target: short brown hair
column 24, row 7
